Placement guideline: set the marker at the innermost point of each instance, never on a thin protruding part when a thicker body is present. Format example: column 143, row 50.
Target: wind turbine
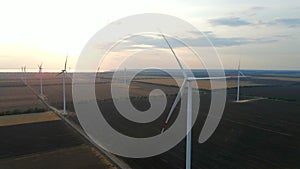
column 97, row 73
column 239, row 73
column 64, row 72
column 24, row 68
column 188, row 80
column 41, row 77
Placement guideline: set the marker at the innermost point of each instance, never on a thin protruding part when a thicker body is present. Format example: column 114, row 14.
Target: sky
column 265, row 34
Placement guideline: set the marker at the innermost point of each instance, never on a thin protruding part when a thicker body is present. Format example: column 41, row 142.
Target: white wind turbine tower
column 188, row 80
column 239, row 73
column 97, row 74
column 24, row 68
column 41, row 78
column 64, row 72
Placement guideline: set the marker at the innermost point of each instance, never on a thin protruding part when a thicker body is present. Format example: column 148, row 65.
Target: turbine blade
column 177, row 59
column 66, row 63
column 244, row 76
column 174, row 105
column 59, row 73
column 241, row 73
column 239, row 66
column 69, row 76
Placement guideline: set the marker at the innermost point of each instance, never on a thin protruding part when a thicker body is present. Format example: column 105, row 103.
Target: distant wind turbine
column 97, row 74
column 239, row 73
column 188, row 80
column 238, row 83
column 41, row 78
column 24, row 68
column 64, row 72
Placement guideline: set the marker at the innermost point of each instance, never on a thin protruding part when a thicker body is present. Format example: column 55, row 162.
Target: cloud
column 257, row 8
column 296, row 8
column 229, row 21
column 236, row 18
column 237, row 21
column 253, row 11
column 290, row 22
column 194, row 40
column 225, row 42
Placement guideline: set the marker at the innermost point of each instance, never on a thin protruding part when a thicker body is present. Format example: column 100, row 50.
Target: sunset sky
column 266, row 34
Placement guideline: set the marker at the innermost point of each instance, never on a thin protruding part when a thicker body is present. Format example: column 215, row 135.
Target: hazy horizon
column 104, row 71
column 265, row 34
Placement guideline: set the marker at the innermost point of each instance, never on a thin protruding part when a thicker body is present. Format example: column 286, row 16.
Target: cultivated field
column 201, row 84
column 260, row 134
column 42, row 140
